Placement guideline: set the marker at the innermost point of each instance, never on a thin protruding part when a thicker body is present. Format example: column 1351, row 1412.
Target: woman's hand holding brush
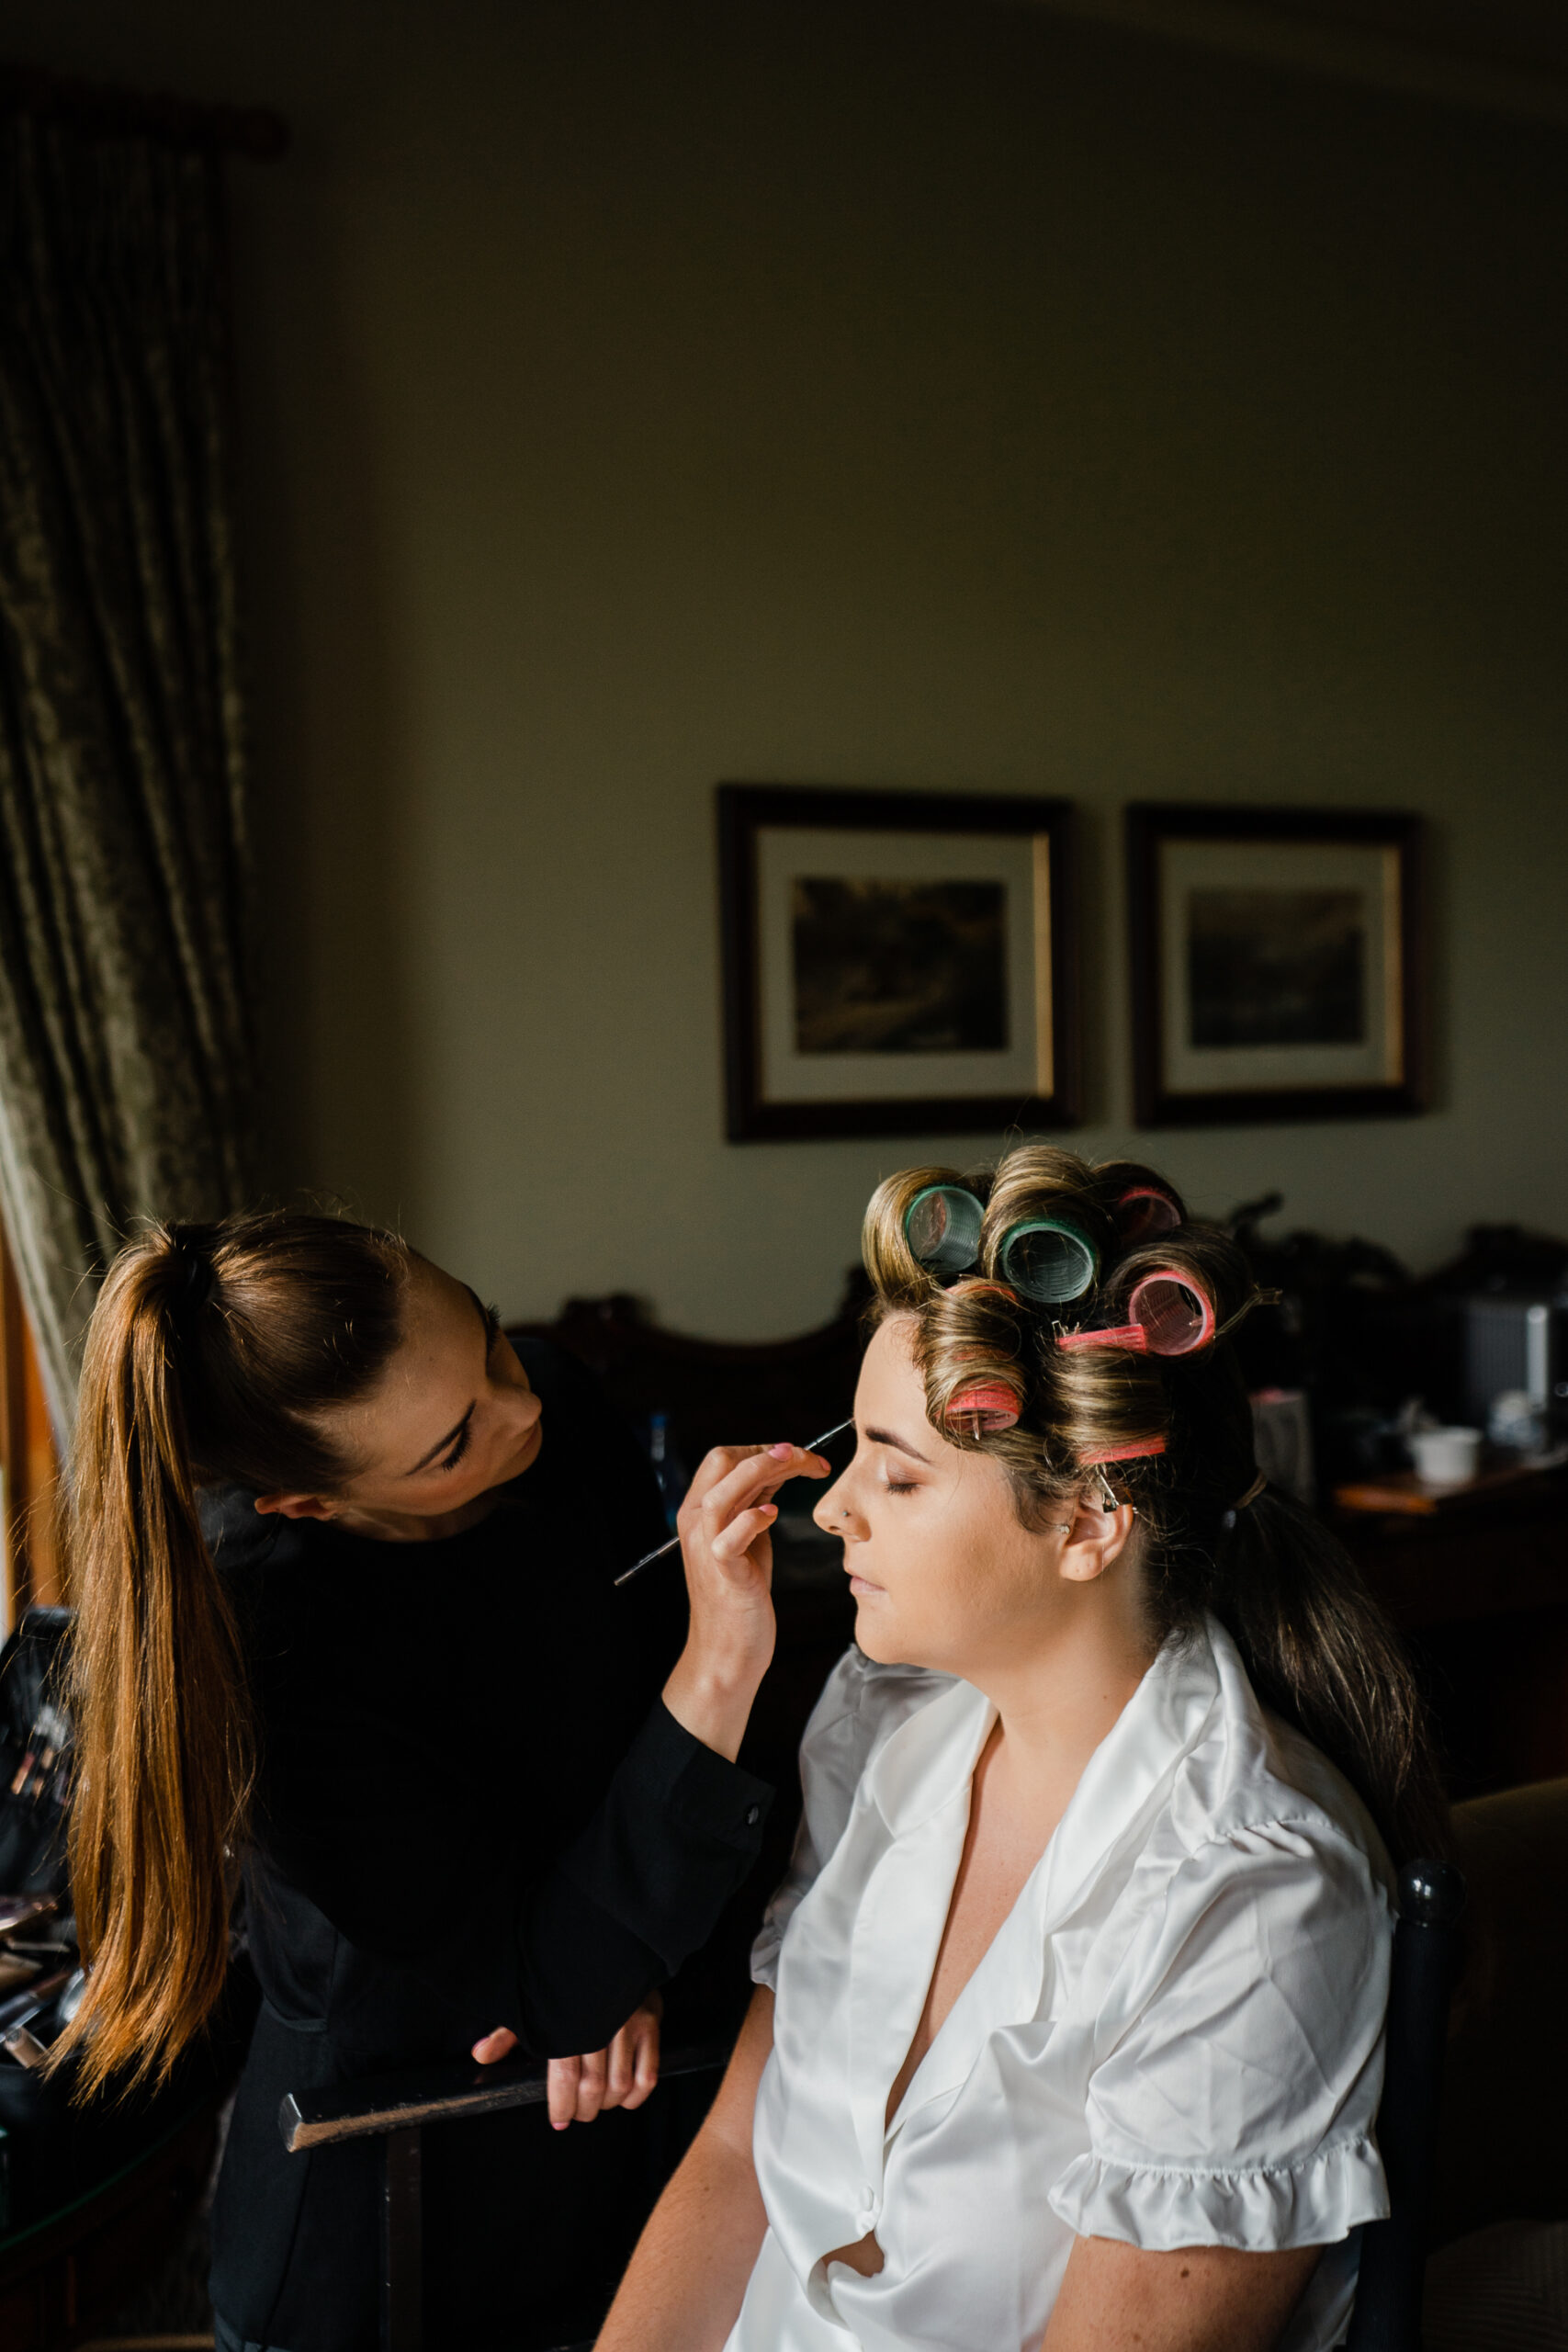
column 726, row 1544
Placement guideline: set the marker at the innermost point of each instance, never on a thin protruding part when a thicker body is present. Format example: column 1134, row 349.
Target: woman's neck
column 403, row 1527
column 1059, row 1698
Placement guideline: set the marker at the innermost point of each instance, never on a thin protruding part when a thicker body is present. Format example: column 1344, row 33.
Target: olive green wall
column 931, row 395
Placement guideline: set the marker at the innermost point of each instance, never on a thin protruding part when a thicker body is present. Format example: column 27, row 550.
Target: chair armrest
column 440, row 2095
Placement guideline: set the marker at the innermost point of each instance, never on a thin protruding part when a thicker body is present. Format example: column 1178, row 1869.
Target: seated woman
column 1070, row 2026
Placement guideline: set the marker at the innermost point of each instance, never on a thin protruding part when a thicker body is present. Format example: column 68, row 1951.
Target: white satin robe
column 1176, row 2038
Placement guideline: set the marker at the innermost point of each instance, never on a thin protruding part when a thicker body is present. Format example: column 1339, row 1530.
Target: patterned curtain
column 128, row 1066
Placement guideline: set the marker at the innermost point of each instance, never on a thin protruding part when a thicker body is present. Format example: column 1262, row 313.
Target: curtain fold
column 128, row 1060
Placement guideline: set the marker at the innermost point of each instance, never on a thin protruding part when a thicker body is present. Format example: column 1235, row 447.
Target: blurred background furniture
column 1498, row 2279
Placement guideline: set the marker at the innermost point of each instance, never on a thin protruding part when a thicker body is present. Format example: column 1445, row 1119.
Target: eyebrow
column 454, row 1434
column 885, row 1436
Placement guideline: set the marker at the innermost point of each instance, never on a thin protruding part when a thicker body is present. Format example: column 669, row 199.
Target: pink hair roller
column 1144, row 1211
column 1169, row 1317
column 991, row 1406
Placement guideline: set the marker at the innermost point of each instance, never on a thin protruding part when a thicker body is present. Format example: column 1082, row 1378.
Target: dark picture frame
column 967, row 908
column 1278, row 964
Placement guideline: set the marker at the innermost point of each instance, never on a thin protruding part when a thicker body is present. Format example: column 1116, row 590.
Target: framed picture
column 896, row 962
column 1278, row 958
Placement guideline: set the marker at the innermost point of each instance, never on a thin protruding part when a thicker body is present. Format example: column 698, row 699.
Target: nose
column 831, row 1510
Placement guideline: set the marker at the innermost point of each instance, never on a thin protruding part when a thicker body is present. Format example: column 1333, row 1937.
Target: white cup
column 1446, row 1457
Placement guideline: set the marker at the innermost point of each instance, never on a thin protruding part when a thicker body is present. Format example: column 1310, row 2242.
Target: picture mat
column 1373, row 874
column 786, row 852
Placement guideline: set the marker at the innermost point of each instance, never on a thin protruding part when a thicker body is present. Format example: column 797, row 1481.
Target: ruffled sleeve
column 861, row 1705
column 1237, row 2106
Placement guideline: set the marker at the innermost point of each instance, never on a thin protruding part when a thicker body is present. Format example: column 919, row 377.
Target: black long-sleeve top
column 473, row 1811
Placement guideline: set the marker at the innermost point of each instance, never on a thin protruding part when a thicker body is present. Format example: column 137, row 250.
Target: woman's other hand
column 726, row 1542
column 577, row 2089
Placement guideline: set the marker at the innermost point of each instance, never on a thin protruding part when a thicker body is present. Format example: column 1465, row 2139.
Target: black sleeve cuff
column 677, row 1832
column 703, row 1789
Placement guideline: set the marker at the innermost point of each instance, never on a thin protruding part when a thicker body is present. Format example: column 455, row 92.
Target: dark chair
column 1426, row 1951
column 398, row 2110
column 1502, row 2154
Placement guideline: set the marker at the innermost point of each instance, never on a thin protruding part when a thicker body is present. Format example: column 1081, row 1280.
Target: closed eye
column 460, row 1443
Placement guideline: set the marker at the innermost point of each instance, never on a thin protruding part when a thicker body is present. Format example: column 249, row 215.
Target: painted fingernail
column 781, row 1452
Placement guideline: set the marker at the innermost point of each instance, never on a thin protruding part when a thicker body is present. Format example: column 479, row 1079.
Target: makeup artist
column 347, row 1625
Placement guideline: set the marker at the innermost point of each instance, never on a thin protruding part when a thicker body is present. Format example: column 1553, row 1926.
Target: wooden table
column 1481, row 1590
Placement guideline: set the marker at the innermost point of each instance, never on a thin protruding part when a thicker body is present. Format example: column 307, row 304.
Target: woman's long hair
column 1315, row 1644
column 214, row 1354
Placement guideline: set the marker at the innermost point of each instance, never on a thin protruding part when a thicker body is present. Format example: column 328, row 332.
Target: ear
column 1094, row 1538
column 298, row 1506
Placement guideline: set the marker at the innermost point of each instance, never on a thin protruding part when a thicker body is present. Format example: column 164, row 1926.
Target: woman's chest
column 1004, row 1844
column 954, row 2197
column 919, row 2021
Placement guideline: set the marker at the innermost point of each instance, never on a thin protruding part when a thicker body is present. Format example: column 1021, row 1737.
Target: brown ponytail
column 211, row 1354
column 1175, row 1437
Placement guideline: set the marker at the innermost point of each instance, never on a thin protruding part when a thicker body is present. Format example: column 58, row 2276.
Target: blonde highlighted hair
column 1170, row 1435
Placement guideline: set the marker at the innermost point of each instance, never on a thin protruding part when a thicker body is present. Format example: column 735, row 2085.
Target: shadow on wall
column 331, row 761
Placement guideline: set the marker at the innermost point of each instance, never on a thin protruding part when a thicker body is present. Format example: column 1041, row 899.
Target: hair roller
column 898, row 1274
column 971, row 1352
column 1141, row 1205
column 987, row 1405
column 1200, row 1256
column 1160, row 1302
column 941, row 1226
column 1047, row 1232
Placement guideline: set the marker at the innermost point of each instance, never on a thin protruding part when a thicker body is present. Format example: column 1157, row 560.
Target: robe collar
column 920, row 1785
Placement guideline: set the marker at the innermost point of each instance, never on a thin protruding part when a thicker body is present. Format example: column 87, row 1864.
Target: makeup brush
column 658, row 1554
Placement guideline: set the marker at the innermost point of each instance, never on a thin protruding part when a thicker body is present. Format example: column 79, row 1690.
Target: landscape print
column 905, row 967
column 1277, row 967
